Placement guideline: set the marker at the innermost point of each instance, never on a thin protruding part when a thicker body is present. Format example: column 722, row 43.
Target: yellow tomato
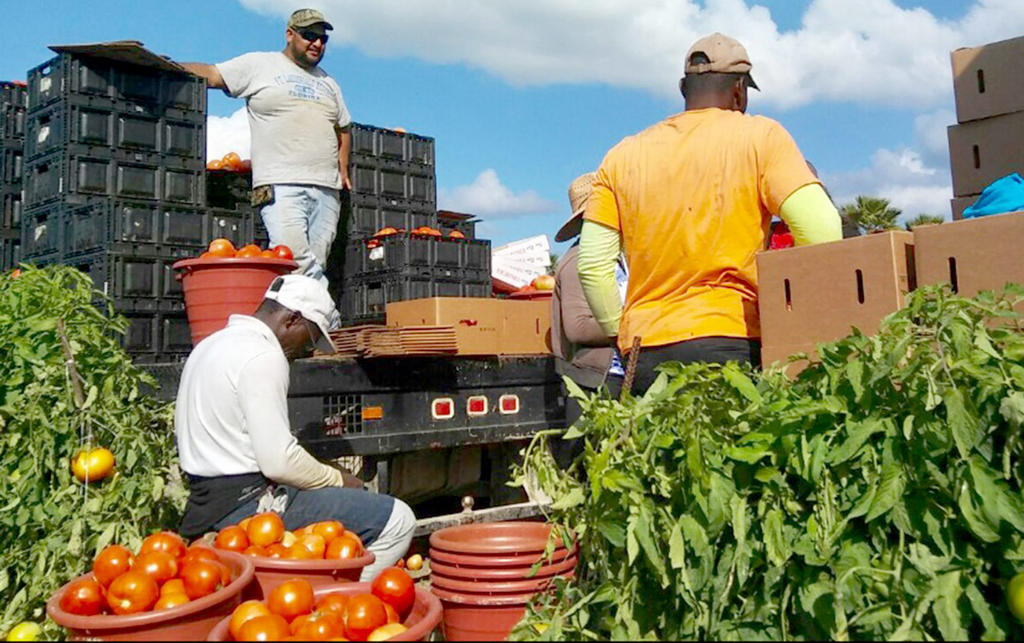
column 25, row 631
column 1015, row 596
column 414, row 562
column 384, row 632
column 92, row 465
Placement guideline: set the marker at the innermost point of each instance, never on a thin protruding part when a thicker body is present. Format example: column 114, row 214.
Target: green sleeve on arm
column 811, row 216
column 599, row 250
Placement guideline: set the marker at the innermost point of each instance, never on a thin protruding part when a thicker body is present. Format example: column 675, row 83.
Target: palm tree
column 870, row 214
column 924, row 219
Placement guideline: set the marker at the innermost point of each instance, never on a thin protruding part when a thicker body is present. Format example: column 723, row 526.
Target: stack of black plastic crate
column 394, row 186
column 12, row 140
column 114, row 184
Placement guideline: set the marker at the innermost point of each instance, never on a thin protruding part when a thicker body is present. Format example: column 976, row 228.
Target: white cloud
column 487, row 196
column 227, row 134
column 898, row 175
column 870, row 51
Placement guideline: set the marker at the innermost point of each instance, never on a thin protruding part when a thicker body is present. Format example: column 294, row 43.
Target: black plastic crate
column 366, row 219
column 366, row 299
column 73, row 176
column 42, row 232
column 141, row 227
column 369, row 141
column 11, row 163
column 118, row 127
column 135, row 283
column 10, row 208
column 449, row 221
column 13, row 102
column 69, row 75
column 393, row 180
column 157, row 337
column 237, row 226
column 401, row 251
column 226, row 189
column 10, row 252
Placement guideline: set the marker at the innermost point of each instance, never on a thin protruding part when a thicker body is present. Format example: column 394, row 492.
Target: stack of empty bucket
column 485, row 575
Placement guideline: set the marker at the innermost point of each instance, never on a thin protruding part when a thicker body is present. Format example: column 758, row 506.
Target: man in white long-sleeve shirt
column 233, row 434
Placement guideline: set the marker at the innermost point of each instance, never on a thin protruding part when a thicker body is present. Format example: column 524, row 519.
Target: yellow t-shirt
column 693, row 197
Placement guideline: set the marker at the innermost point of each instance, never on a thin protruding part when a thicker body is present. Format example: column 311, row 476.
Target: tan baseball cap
column 302, row 18
column 726, row 56
column 579, row 192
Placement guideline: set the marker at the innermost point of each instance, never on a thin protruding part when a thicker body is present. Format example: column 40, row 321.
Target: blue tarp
column 1003, row 195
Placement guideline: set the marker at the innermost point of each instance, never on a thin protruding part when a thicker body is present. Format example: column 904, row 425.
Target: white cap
column 309, row 298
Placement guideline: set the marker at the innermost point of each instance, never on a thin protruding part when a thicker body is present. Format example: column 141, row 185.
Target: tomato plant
column 52, row 408
column 876, row 496
column 291, row 598
column 395, row 587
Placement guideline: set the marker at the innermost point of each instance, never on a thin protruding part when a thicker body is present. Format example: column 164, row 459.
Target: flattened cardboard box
column 987, row 79
column 985, row 150
column 482, row 326
column 972, row 255
column 817, row 293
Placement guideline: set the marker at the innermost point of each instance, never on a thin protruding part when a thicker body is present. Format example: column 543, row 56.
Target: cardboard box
column 961, row 203
column 985, row 150
column 972, row 255
column 817, row 293
column 482, row 326
column 986, row 80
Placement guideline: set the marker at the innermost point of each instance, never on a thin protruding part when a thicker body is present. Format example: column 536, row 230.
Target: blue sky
column 522, row 97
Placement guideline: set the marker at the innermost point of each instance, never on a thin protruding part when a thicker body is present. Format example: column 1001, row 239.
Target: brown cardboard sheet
column 987, row 79
column 982, row 151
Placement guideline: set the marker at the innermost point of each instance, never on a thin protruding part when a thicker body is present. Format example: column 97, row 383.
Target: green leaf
column 964, row 425
column 775, row 544
column 1012, row 408
column 740, row 382
column 890, row 491
column 993, row 632
column 858, row 434
column 946, row 609
column 677, row 548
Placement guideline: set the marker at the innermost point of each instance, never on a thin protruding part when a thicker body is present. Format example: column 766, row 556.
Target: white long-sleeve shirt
column 231, row 415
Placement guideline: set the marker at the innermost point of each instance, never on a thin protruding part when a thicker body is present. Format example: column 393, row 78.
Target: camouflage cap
column 302, row 18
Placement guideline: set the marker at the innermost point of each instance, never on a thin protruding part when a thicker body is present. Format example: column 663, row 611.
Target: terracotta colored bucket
column 494, row 588
column 271, row 572
column 424, row 617
column 215, row 289
column 563, row 566
column 480, row 618
column 504, row 538
column 190, row 622
column 484, row 561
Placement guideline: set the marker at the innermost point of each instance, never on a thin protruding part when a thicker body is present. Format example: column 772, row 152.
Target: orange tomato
column 276, row 550
column 158, row 565
column 251, row 250
column 268, row 254
column 363, row 614
column 256, row 550
column 314, row 543
column 334, row 603
column 318, row 626
column 244, row 613
column 385, row 232
column 291, row 598
column 132, row 592
column 268, row 627
column 199, row 552
column 215, row 164
column 282, row 251
column 298, row 552
column 167, row 601
column 201, row 578
column 395, row 587
column 173, row 586
column 232, row 538
column 392, row 613
column 343, row 547
column 221, row 248
column 84, row 597
column 110, row 563
column 244, row 522
column 265, row 529
column 329, row 529
column 232, row 161
column 455, row 234
column 165, row 541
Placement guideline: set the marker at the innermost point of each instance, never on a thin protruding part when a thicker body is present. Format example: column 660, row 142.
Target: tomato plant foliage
column 876, row 496
column 51, row 525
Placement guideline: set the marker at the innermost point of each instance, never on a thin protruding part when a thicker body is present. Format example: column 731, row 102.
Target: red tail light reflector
column 508, row 404
column 443, row 408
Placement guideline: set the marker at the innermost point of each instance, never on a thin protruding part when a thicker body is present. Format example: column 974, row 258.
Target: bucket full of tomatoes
column 165, row 591
column 322, row 553
column 224, row 281
column 390, row 608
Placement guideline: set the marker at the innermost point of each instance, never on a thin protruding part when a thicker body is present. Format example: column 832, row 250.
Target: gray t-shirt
column 292, row 115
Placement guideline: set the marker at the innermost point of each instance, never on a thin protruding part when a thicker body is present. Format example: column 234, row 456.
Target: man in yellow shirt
column 690, row 200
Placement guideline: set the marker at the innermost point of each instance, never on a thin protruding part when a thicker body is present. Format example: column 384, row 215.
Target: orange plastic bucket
column 215, row 289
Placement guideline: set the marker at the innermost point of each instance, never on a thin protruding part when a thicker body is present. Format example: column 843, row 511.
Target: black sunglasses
column 313, row 36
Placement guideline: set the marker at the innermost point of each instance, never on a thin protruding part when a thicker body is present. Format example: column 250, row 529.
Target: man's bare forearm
column 344, row 151
column 213, row 78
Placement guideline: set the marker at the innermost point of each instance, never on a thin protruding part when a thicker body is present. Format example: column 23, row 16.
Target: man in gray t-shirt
column 301, row 137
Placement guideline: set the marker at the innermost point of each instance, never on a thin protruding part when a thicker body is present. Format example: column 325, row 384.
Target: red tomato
column 334, row 603
column 244, row 613
column 202, row 578
column 165, row 541
column 283, row 252
column 396, row 588
column 265, row 529
column 393, row 616
column 110, row 563
column 318, row 626
column 221, row 248
column 269, row 627
column 83, row 597
column 199, row 552
column 343, row 547
column 132, row 592
column 158, row 565
column 232, row 538
column 291, row 598
column 329, row 529
column 363, row 614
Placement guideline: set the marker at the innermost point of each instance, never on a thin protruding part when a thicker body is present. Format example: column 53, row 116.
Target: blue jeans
column 304, row 218
column 384, row 524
